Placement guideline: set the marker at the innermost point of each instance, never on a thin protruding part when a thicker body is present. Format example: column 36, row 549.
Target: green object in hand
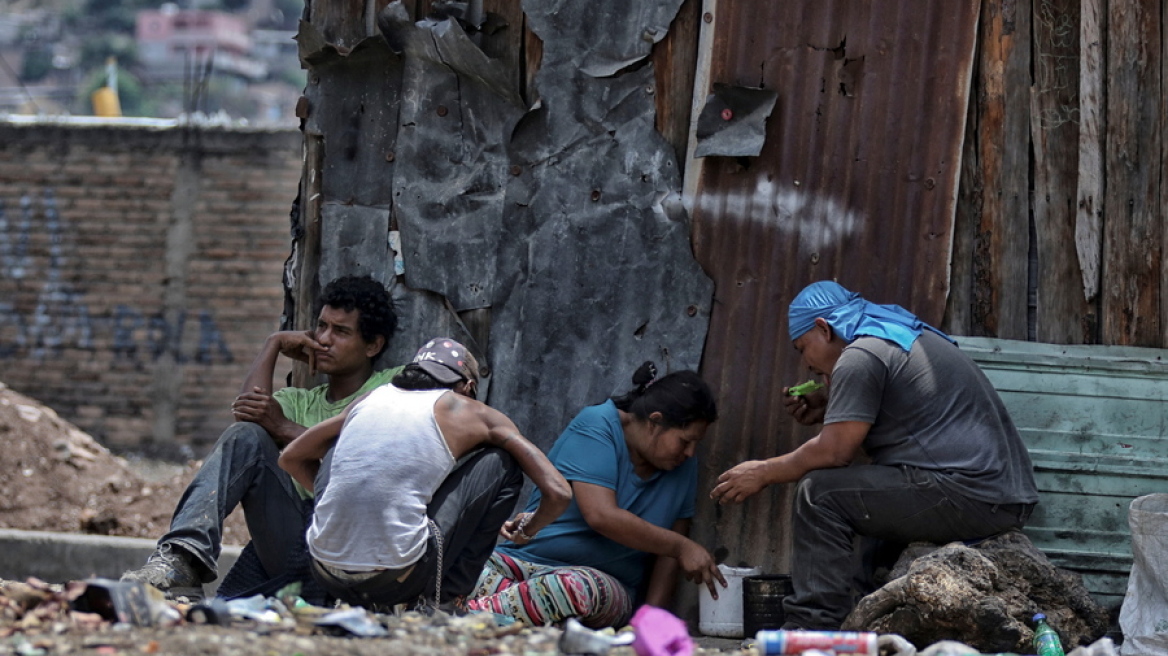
column 805, row 388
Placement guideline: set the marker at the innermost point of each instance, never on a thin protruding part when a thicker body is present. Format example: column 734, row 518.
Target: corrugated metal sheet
column 1094, row 420
column 856, row 182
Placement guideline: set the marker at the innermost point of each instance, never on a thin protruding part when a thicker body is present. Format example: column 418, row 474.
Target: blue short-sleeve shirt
column 592, row 450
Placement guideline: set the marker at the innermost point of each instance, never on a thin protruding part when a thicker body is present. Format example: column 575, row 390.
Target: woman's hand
column 514, row 529
column 699, row 566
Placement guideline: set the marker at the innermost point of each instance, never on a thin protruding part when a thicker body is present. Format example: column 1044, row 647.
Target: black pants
column 895, row 504
column 469, row 508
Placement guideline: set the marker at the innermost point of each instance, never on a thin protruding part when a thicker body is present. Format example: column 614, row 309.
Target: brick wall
column 140, row 270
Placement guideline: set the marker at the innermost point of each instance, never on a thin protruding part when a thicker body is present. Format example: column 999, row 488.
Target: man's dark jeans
column 242, row 469
column 893, row 504
column 468, row 508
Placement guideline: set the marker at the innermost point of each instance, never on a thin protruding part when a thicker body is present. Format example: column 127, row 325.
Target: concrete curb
column 61, row 557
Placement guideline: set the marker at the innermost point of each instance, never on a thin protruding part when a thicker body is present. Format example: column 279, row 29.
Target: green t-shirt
column 308, row 407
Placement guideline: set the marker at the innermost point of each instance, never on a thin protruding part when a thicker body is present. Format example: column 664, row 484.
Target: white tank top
column 386, row 465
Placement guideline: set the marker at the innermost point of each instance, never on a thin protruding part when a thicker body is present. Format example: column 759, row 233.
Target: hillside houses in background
column 171, row 60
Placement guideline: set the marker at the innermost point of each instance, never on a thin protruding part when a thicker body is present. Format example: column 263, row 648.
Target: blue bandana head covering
column 851, row 316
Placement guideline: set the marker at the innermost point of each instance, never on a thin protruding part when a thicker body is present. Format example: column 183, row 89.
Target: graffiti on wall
column 60, row 318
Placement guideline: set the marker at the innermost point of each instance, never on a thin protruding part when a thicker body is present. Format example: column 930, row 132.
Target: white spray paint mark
column 817, row 220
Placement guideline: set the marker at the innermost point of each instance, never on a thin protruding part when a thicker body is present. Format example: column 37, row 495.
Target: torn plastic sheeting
column 599, row 38
column 580, row 110
column 733, row 121
column 449, row 178
column 313, row 49
column 444, row 42
column 354, row 106
column 596, row 276
column 354, row 241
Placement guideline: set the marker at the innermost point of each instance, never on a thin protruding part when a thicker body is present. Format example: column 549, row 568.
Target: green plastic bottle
column 1046, row 640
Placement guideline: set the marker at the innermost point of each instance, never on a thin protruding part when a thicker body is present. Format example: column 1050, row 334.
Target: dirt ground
column 57, row 478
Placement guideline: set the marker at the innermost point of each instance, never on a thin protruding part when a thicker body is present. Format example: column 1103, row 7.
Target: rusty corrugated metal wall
column 841, row 190
column 890, row 118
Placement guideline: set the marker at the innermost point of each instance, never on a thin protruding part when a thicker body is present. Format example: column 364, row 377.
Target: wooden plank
column 532, row 59
column 1000, row 261
column 1054, row 131
column 1132, row 227
column 958, row 319
column 308, row 282
column 703, row 59
column 1163, row 179
column 506, row 43
column 674, row 61
column 1089, row 209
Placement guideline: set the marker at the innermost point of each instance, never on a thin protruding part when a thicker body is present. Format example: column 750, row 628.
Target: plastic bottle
column 1046, row 640
column 776, row 643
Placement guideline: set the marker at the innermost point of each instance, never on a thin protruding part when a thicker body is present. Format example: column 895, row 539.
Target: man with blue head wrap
column 946, row 462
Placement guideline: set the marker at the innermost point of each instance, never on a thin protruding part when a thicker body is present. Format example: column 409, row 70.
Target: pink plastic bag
column 660, row 633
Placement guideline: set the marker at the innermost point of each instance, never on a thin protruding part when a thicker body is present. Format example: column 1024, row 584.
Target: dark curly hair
column 369, row 298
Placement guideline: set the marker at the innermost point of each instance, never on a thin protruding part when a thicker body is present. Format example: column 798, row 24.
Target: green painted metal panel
column 1095, row 423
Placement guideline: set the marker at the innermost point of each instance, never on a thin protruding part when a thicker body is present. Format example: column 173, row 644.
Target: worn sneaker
column 172, row 570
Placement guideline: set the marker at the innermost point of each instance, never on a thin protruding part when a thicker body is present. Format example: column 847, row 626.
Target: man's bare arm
column 836, row 446
column 255, row 402
column 301, row 458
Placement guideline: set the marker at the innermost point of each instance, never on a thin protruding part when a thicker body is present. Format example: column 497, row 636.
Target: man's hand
column 807, row 409
column 741, row 482
column 699, row 566
column 297, row 344
column 258, row 407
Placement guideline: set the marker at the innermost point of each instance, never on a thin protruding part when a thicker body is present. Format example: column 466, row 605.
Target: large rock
column 984, row 596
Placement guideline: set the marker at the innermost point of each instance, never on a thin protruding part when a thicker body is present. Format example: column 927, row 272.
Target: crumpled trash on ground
column 1101, row 647
column 579, row 640
column 353, row 621
column 128, row 602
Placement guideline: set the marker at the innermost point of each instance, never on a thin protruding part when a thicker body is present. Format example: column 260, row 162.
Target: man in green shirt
column 355, row 323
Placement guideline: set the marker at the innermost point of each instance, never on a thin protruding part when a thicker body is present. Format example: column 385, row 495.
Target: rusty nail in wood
column 692, row 310
column 930, row 183
column 442, row 110
column 389, row 156
column 708, row 17
column 595, row 195
column 516, row 169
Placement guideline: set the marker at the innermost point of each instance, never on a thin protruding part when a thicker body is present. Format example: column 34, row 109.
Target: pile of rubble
column 57, row 478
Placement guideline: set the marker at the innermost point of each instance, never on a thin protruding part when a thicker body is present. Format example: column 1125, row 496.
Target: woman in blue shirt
column 624, row 537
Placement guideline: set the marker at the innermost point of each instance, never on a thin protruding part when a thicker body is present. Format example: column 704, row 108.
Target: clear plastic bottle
column 1046, row 640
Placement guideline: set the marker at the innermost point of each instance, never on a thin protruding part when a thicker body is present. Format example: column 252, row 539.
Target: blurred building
column 176, row 44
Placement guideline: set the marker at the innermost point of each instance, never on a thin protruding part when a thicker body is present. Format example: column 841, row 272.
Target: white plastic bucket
column 722, row 617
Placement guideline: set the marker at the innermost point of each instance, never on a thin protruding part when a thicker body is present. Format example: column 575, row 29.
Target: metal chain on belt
column 437, row 577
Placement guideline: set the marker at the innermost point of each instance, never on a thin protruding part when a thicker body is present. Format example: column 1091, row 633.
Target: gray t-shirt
column 934, row 409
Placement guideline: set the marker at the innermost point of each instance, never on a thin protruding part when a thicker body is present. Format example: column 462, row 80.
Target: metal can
column 781, row 643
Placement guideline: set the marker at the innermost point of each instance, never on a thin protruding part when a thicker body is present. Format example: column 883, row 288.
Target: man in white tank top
column 400, row 517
